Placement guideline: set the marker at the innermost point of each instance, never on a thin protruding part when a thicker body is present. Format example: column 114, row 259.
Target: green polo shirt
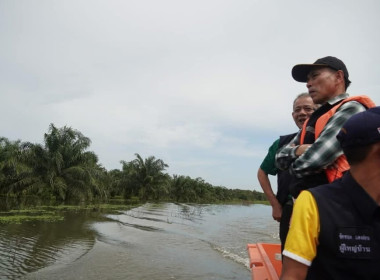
column 268, row 164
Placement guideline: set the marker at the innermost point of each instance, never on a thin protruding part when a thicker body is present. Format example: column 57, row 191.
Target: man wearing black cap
column 335, row 228
column 315, row 157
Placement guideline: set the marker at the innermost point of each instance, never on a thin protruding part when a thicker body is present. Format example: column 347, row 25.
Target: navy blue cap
column 361, row 129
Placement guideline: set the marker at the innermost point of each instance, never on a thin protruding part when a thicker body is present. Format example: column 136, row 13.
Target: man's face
column 322, row 84
column 302, row 109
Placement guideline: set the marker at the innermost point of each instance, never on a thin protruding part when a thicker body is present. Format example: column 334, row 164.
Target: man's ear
column 376, row 148
column 340, row 75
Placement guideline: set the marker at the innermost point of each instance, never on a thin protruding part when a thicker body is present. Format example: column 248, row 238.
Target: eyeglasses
column 307, row 109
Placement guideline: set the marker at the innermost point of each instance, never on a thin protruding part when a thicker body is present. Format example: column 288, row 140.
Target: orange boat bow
column 265, row 261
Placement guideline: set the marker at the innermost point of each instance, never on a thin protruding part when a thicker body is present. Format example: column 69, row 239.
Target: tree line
column 63, row 170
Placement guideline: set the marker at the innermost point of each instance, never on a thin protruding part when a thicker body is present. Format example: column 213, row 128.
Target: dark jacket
column 349, row 240
column 283, row 176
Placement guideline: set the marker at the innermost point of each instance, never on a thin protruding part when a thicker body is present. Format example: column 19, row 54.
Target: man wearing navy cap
column 335, row 228
column 314, row 157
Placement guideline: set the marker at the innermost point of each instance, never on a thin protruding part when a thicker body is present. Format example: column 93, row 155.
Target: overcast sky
column 203, row 85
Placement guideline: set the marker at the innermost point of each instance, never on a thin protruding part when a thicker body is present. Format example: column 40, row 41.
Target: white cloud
column 204, row 85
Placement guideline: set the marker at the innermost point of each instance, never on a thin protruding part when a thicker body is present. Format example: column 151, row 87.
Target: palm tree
column 183, row 189
column 145, row 178
column 64, row 168
column 127, row 181
column 13, row 169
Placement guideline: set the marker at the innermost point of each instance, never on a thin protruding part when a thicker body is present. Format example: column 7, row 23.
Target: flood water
column 154, row 241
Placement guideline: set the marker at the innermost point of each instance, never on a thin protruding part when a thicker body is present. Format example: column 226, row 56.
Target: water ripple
column 28, row 247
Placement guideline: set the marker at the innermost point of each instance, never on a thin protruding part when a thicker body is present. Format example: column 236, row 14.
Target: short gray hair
column 304, row 94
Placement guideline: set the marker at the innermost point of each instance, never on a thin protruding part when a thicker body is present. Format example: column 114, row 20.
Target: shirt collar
column 363, row 202
column 337, row 98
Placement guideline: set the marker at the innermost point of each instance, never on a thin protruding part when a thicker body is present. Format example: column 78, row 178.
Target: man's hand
column 301, row 149
column 277, row 211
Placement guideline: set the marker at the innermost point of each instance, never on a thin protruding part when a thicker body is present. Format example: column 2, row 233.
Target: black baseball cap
column 361, row 129
column 300, row 71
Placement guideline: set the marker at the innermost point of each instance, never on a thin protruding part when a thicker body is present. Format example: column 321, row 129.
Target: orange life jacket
column 340, row 165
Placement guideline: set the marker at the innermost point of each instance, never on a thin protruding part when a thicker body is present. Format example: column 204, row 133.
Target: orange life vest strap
column 340, row 165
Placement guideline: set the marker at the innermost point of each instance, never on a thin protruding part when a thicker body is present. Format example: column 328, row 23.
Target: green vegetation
column 63, row 171
column 56, row 213
column 18, row 219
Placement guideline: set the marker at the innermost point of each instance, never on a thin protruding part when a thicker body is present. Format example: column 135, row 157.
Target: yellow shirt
column 302, row 240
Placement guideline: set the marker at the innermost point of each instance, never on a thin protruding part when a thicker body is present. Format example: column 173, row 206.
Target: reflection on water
column 179, row 241
column 33, row 245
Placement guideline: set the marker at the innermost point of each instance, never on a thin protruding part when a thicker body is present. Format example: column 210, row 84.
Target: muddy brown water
column 154, row 241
